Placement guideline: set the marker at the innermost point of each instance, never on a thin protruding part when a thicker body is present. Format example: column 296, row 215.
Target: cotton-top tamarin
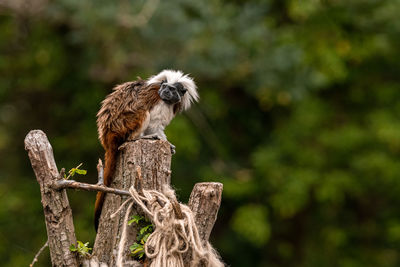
column 140, row 109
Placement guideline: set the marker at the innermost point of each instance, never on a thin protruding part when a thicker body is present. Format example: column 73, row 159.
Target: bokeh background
column 299, row 118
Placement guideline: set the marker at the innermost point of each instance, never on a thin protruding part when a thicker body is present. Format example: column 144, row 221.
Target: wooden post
column 57, row 212
column 205, row 201
column 154, row 159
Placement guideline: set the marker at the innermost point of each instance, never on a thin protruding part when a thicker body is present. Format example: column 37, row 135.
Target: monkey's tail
column 110, row 159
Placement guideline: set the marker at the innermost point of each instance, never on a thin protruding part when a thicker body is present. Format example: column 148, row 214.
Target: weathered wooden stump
column 153, row 158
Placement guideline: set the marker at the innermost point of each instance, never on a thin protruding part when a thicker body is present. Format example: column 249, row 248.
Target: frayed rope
column 175, row 235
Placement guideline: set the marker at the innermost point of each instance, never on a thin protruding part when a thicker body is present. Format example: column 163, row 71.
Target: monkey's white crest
column 174, row 76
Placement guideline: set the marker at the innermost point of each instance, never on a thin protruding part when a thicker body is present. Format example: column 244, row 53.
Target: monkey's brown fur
column 120, row 118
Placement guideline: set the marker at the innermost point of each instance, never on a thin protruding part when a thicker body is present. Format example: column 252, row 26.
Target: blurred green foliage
column 299, row 118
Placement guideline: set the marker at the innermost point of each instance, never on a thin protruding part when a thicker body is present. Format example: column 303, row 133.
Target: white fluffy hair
column 173, row 76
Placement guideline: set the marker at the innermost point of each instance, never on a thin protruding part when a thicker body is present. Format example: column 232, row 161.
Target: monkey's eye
column 163, row 81
column 182, row 90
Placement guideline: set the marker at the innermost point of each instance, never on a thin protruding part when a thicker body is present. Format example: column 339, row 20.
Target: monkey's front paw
column 172, row 148
column 151, row 137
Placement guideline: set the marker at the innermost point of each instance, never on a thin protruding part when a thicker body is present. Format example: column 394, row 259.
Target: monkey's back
column 123, row 111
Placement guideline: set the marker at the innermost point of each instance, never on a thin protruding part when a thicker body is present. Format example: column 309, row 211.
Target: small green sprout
column 135, row 219
column 137, row 249
column 81, row 249
column 74, row 171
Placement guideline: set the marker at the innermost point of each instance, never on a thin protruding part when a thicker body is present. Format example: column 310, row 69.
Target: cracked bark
column 154, row 159
column 205, row 201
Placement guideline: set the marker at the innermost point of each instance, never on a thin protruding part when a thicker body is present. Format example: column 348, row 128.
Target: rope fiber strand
column 175, row 236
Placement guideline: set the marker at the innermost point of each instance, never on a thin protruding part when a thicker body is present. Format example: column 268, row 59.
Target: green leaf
column 82, row 172
column 134, row 246
column 81, row 248
column 137, row 250
column 146, row 228
column 145, row 237
column 136, row 219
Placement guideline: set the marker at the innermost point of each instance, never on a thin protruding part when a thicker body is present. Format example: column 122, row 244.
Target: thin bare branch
column 35, row 259
column 100, row 172
column 62, row 184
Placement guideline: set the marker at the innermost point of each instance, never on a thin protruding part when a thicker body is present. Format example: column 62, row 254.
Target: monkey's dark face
column 171, row 93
